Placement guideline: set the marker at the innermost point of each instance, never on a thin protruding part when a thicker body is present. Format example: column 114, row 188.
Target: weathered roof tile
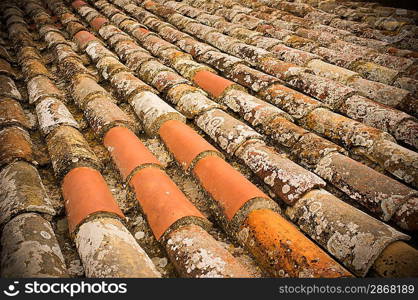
column 15, row 144
column 30, row 249
column 22, row 192
column 11, row 113
column 8, row 88
column 68, row 150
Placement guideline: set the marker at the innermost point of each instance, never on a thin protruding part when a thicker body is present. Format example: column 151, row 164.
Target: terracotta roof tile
column 19, row 237
column 288, row 180
column 22, row 192
column 68, row 149
column 6, row 69
column 161, row 200
column 184, row 246
column 34, row 67
column 85, row 89
column 41, row 87
column 8, row 88
column 52, row 113
column 153, row 111
column 15, row 144
column 116, row 247
column 228, row 132
column 264, row 228
column 127, row 151
column 102, row 115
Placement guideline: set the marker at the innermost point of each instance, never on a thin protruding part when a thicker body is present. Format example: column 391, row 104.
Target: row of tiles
column 314, row 65
column 404, row 39
column 379, row 17
column 25, row 207
column 319, row 40
column 281, row 130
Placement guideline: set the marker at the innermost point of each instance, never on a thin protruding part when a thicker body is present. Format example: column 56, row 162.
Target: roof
column 208, row 138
